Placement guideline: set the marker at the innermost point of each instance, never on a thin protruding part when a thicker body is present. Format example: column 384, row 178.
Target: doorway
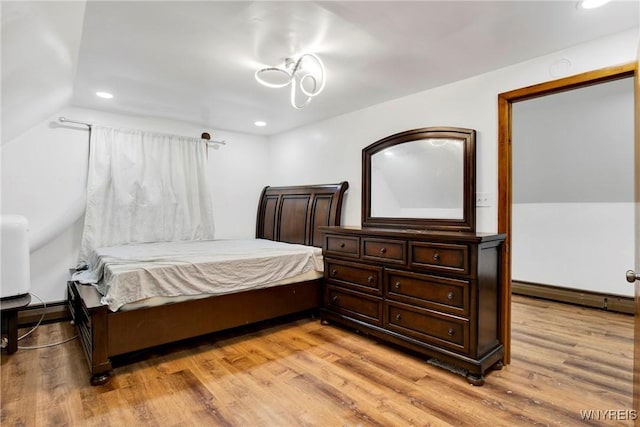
column 505, row 177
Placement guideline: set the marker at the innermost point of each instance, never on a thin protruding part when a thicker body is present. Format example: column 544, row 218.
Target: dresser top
column 407, row 233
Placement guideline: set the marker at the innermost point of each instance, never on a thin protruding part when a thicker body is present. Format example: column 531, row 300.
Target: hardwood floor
column 565, row 359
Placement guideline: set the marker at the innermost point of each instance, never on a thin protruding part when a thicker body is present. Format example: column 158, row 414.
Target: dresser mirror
column 422, row 178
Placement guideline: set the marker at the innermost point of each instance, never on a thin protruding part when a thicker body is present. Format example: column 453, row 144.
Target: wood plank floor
column 566, row 359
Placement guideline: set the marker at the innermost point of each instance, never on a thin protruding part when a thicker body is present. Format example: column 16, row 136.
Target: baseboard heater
column 603, row 301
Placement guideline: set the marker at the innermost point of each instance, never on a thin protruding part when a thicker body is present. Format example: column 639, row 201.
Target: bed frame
column 287, row 214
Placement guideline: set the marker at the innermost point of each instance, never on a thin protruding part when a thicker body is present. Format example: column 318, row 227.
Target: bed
column 285, row 214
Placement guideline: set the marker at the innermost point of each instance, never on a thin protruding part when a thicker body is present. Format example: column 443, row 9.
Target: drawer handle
column 450, row 332
column 370, row 279
column 450, row 295
column 436, row 256
column 397, row 285
column 334, row 298
column 342, row 245
column 334, row 272
column 398, row 317
column 383, row 250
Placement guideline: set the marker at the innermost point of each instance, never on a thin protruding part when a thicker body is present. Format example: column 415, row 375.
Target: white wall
column 330, row 151
column 44, row 178
column 585, row 246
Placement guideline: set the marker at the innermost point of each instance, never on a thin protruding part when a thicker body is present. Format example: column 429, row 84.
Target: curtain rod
column 65, row 120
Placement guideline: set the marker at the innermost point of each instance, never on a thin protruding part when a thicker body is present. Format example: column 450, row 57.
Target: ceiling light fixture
column 306, row 73
column 260, row 123
column 592, row 4
column 105, row 95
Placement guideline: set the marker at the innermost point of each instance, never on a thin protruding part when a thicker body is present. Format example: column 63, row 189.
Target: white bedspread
column 133, row 272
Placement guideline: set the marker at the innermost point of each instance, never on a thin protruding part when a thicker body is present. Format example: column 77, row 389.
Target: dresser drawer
column 342, row 245
column 360, row 277
column 354, row 304
column 439, row 293
column 387, row 250
column 440, row 256
column 428, row 326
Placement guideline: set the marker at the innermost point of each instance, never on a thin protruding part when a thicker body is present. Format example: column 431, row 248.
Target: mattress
column 145, row 273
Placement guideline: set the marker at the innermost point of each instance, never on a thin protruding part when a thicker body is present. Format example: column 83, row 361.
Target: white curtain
column 145, row 187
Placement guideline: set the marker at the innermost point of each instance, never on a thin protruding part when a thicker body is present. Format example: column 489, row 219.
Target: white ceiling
column 194, row 61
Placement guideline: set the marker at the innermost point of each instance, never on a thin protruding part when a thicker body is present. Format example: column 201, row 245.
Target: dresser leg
column 100, row 379
column 498, row 366
column 475, row 379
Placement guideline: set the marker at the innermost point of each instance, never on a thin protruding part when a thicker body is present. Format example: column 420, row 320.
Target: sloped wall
column 37, row 36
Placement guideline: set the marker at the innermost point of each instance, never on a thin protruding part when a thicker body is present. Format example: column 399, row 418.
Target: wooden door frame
column 636, row 339
column 505, row 102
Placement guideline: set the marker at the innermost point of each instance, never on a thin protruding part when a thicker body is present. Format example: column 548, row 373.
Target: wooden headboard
column 293, row 214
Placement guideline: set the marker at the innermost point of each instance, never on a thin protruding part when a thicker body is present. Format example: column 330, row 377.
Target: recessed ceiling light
column 105, row 95
column 260, row 123
column 592, row 4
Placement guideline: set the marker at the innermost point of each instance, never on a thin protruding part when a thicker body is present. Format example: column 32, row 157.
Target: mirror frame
column 468, row 220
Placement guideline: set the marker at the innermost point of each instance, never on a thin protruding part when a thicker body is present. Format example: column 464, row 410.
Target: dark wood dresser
column 436, row 293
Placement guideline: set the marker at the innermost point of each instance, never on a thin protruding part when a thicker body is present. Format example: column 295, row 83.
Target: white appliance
column 14, row 256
